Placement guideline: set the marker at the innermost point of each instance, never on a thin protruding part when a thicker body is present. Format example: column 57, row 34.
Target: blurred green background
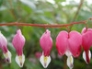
column 42, row 12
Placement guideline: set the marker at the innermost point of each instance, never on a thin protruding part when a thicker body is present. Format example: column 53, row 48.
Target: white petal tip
column 70, row 62
column 8, row 56
column 68, row 53
column 45, row 60
column 20, row 60
column 84, row 56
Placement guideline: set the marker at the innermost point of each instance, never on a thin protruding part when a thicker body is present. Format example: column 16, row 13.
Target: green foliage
column 41, row 12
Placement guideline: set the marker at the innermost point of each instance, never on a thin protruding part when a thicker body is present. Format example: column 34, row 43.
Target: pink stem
column 87, row 56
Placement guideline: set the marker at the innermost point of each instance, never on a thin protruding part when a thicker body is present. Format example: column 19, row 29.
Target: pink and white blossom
column 46, row 45
column 18, row 43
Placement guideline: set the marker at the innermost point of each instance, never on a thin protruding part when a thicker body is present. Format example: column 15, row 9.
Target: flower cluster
column 18, row 43
column 68, row 43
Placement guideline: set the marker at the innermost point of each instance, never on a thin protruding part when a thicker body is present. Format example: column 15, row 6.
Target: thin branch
column 12, row 12
column 79, row 7
column 41, row 25
column 77, row 12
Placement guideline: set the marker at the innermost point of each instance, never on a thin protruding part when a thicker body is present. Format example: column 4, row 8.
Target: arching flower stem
column 42, row 25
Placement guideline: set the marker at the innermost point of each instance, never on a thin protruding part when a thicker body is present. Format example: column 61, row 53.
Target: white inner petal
column 8, row 56
column 20, row 60
column 84, row 56
column 68, row 53
column 70, row 62
column 45, row 60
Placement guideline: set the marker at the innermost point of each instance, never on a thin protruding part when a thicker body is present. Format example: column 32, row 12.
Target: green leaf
column 29, row 3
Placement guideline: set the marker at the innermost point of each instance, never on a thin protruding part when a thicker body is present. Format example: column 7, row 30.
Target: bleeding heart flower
column 69, row 44
column 18, row 43
column 3, row 46
column 87, row 43
column 46, row 45
column 38, row 55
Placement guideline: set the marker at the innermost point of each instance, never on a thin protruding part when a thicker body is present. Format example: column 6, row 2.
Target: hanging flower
column 18, row 43
column 69, row 44
column 3, row 46
column 87, row 43
column 46, row 45
column 38, row 55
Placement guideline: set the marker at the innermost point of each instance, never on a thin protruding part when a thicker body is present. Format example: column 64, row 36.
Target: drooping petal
column 86, row 43
column 7, row 56
column 18, row 42
column 3, row 46
column 70, row 62
column 86, row 38
column 61, row 42
column 46, row 43
column 45, row 60
column 3, row 43
column 20, row 60
column 87, row 56
column 75, row 41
